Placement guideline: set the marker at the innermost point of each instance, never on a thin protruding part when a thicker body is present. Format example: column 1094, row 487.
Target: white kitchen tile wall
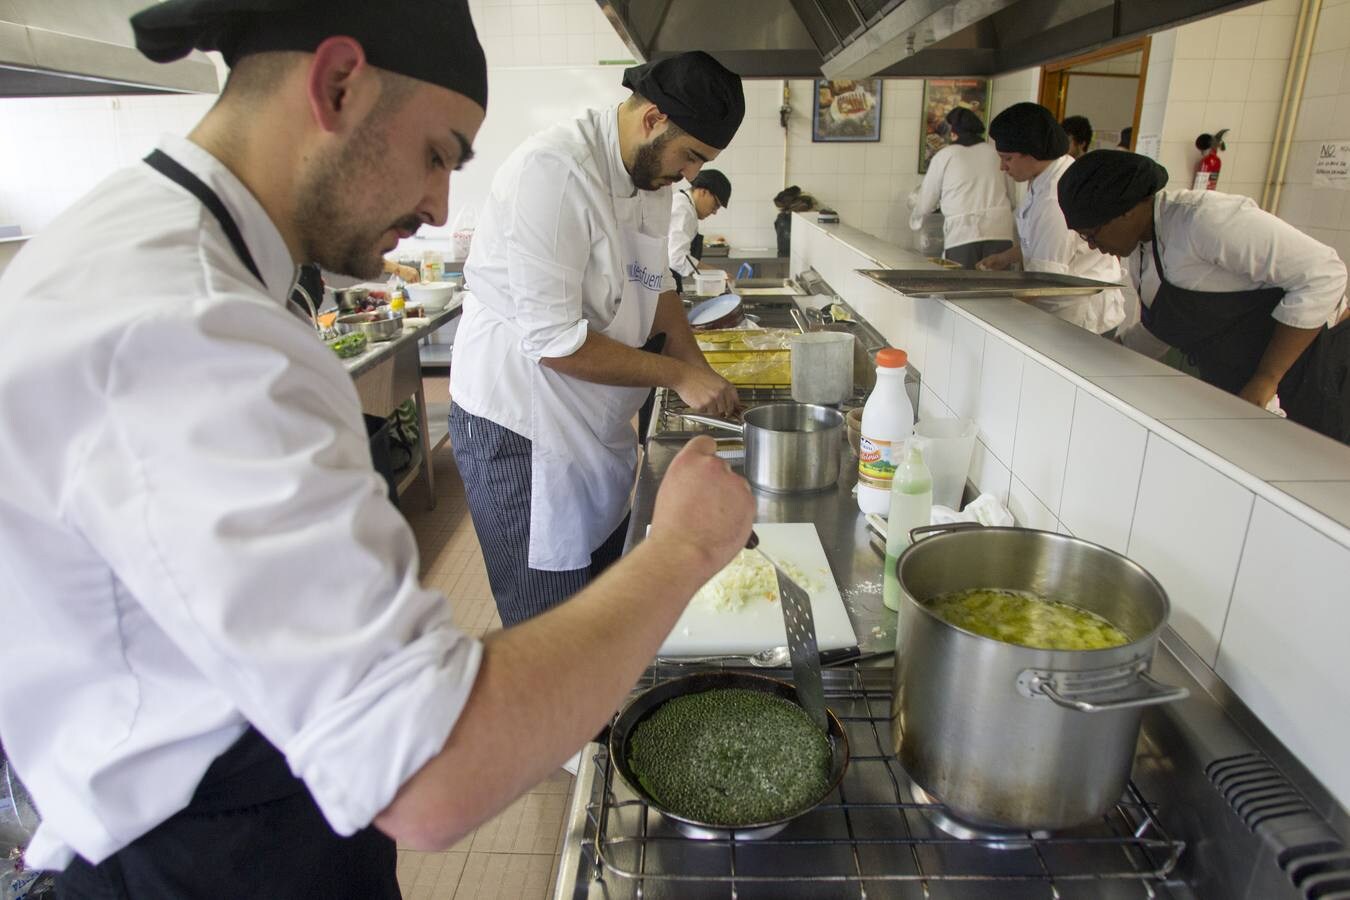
column 1284, row 650
column 1000, row 396
column 963, row 388
column 1189, row 526
column 1101, row 478
column 1064, row 457
column 1044, row 420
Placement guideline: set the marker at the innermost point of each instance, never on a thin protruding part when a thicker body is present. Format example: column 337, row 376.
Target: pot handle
column 916, row 533
column 714, row 422
column 1155, row 693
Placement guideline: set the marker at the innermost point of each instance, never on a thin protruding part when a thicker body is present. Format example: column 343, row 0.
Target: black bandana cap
column 1104, row 184
column 1029, row 128
column 445, row 52
column 697, row 92
column 715, row 183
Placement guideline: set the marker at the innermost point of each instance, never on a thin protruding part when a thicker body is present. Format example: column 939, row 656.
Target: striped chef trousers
column 494, row 463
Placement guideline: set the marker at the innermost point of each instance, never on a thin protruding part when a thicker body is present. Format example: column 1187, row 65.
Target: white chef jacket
column 547, row 264
column 683, row 230
column 1210, row 241
column 1049, row 246
column 191, row 534
column 974, row 195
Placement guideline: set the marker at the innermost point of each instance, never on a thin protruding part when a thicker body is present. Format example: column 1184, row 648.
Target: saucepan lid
column 719, row 312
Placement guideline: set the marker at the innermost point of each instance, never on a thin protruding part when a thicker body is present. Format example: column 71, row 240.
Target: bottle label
column 876, row 468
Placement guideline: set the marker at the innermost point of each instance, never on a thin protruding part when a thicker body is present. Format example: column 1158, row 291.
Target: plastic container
column 887, row 422
column 433, row 267
column 947, row 445
column 710, row 284
column 911, row 507
column 822, row 367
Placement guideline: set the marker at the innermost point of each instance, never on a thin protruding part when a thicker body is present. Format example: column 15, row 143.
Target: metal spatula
column 801, row 638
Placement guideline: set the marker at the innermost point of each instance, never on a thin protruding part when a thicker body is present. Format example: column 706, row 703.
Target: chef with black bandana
column 708, row 194
column 560, row 343
column 1256, row 304
column 223, row 676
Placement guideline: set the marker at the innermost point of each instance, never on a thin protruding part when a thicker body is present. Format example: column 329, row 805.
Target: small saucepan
column 789, row 447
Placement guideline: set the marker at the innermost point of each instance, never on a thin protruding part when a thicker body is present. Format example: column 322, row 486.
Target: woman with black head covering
column 1256, row 304
column 963, row 180
column 1033, row 149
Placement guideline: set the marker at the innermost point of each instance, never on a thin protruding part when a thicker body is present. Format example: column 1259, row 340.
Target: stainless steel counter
column 1216, row 808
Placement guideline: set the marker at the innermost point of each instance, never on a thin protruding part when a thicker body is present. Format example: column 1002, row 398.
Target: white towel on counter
column 985, row 509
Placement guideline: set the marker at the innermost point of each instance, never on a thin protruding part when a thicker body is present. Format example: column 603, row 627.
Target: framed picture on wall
column 847, row 110
column 940, row 96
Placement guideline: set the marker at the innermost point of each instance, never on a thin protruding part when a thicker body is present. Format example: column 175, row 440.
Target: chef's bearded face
column 668, row 157
column 360, row 197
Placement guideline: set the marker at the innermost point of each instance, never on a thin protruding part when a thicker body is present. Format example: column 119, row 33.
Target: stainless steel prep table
column 388, row 373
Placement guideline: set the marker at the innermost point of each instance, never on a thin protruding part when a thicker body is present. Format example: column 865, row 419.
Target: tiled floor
column 513, row 856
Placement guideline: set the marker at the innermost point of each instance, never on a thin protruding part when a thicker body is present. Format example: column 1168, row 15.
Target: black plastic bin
column 378, row 430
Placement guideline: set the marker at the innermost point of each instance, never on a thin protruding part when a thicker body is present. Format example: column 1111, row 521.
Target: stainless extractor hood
column 62, row 48
column 892, row 38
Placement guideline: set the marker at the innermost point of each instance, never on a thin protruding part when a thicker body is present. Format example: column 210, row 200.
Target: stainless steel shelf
column 971, row 283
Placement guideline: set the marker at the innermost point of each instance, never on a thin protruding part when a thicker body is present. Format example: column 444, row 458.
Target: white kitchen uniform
column 191, row 534
column 565, row 244
column 683, row 230
column 1049, row 246
column 1211, row 241
column 974, row 195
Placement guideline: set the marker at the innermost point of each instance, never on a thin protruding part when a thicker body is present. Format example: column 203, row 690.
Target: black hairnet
column 1029, row 128
column 715, row 182
column 1104, row 184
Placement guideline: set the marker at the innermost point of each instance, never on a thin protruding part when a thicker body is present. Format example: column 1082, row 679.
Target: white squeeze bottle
column 911, row 507
column 887, row 421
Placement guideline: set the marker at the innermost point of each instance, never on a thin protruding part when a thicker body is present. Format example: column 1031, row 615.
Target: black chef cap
column 430, row 40
column 1104, row 184
column 697, row 92
column 715, row 182
column 1029, row 128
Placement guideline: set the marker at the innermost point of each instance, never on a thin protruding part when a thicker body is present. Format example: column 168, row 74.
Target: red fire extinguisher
column 1207, row 173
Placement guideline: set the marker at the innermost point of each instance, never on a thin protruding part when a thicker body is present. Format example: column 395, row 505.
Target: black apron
column 251, row 829
column 1225, row 334
column 695, row 250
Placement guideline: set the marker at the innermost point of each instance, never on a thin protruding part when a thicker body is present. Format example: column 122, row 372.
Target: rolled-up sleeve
column 1268, row 250
column 230, row 488
column 929, row 195
column 548, row 245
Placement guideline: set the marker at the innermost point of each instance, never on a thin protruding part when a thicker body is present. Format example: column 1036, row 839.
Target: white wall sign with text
column 1332, row 166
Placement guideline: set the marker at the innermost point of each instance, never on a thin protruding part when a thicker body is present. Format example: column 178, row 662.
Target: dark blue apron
column 1225, row 334
column 251, row 829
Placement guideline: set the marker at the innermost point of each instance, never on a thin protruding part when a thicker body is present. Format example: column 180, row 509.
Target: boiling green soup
column 1021, row 617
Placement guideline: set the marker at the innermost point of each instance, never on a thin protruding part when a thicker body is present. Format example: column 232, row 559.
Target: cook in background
column 1256, row 304
column 572, row 321
column 965, row 181
column 1033, row 149
column 229, row 668
column 708, row 193
column 1126, row 137
column 1079, row 130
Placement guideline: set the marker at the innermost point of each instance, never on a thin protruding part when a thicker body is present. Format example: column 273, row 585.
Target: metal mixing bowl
column 376, row 326
column 647, row 702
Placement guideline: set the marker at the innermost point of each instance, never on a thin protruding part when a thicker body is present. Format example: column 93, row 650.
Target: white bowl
column 432, row 295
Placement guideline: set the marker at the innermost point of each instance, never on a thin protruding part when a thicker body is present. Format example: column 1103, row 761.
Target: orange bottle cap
column 892, row 358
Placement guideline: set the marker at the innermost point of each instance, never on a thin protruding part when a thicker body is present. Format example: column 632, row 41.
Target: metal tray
column 957, row 284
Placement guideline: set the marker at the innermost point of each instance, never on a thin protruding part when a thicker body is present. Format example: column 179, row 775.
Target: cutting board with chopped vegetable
column 739, row 611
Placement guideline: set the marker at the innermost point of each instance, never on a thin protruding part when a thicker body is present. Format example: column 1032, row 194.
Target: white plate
column 714, row 309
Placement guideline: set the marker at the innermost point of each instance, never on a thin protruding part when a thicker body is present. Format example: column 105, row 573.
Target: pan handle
column 916, row 533
column 800, row 319
column 714, row 422
column 1154, row 693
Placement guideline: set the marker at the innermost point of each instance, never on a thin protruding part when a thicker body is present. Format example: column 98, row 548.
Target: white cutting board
column 703, row 631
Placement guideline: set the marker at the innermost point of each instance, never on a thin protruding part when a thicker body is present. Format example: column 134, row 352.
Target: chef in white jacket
column 965, row 181
column 223, row 678
column 1034, row 150
column 1258, row 306
column 560, row 342
column 708, row 194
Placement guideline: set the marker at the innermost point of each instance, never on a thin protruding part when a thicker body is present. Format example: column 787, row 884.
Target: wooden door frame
column 1055, row 78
